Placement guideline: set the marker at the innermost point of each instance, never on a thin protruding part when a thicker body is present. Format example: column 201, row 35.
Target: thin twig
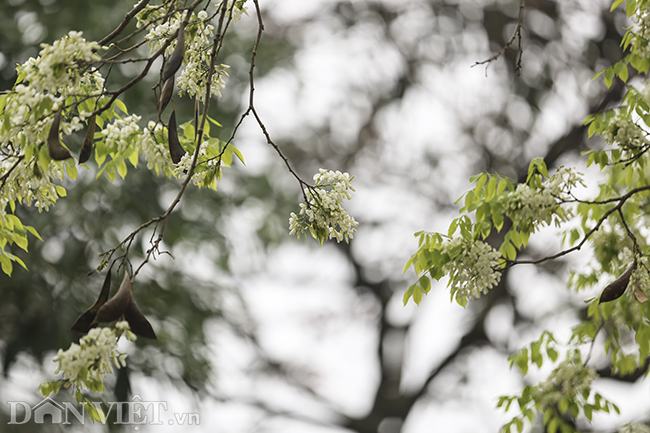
column 125, row 22
column 516, row 35
column 621, row 201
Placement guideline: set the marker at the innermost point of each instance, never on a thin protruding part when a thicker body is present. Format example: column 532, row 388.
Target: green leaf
column 60, row 191
column 616, row 4
column 417, row 295
column 7, row 267
column 552, row 425
column 482, row 179
column 621, row 70
column 71, row 168
column 13, row 221
column 520, row 424
column 425, row 283
column 630, row 7
column 452, row 227
column 609, row 77
column 121, row 168
column 408, row 294
column 491, row 188
column 237, row 152
column 110, row 170
column 119, row 104
column 226, row 158
column 214, row 121
column 44, row 158
column 21, row 241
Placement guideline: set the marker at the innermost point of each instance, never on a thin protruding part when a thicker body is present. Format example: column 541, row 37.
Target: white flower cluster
column 237, row 10
column 47, row 81
column 622, row 131
column 562, row 182
column 89, row 361
column 473, row 270
column 155, row 149
column 204, row 167
column 538, row 206
column 118, row 134
column 642, row 31
column 571, row 378
column 159, row 34
column 324, row 215
column 31, row 185
column 193, row 79
column 198, row 49
column 58, row 65
column 640, row 278
column 528, row 204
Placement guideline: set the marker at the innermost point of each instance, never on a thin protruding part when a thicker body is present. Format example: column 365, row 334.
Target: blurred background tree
column 261, row 333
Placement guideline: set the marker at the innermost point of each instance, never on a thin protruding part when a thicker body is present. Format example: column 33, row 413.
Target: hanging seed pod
column 138, row 323
column 166, row 94
column 617, row 287
column 85, row 321
column 115, row 308
column 87, row 146
column 122, row 305
column 174, row 62
column 175, row 149
column 57, row 151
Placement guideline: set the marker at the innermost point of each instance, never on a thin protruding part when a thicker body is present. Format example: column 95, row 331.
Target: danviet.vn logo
column 135, row 412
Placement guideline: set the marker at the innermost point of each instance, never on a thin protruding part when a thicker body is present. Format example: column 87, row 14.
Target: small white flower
column 119, row 133
column 323, row 216
column 93, row 358
column 473, row 270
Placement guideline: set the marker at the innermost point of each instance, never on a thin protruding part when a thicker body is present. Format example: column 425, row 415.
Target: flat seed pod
column 87, row 146
column 85, row 321
column 617, row 287
column 115, row 307
column 174, row 62
column 175, row 149
column 57, row 151
column 138, row 323
column 166, row 94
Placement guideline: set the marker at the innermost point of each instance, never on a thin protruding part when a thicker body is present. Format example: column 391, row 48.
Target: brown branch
column 125, row 22
column 251, row 107
column 516, row 35
column 218, row 41
column 621, row 201
column 3, row 179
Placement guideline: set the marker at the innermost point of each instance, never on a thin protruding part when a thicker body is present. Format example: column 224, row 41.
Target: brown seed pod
column 175, row 149
column 85, row 321
column 87, row 146
column 138, row 323
column 115, row 308
column 57, row 151
column 617, row 287
column 174, row 62
column 166, row 94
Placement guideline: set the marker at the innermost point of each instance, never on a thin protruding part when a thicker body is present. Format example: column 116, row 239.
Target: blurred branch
column 125, row 22
column 516, row 35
